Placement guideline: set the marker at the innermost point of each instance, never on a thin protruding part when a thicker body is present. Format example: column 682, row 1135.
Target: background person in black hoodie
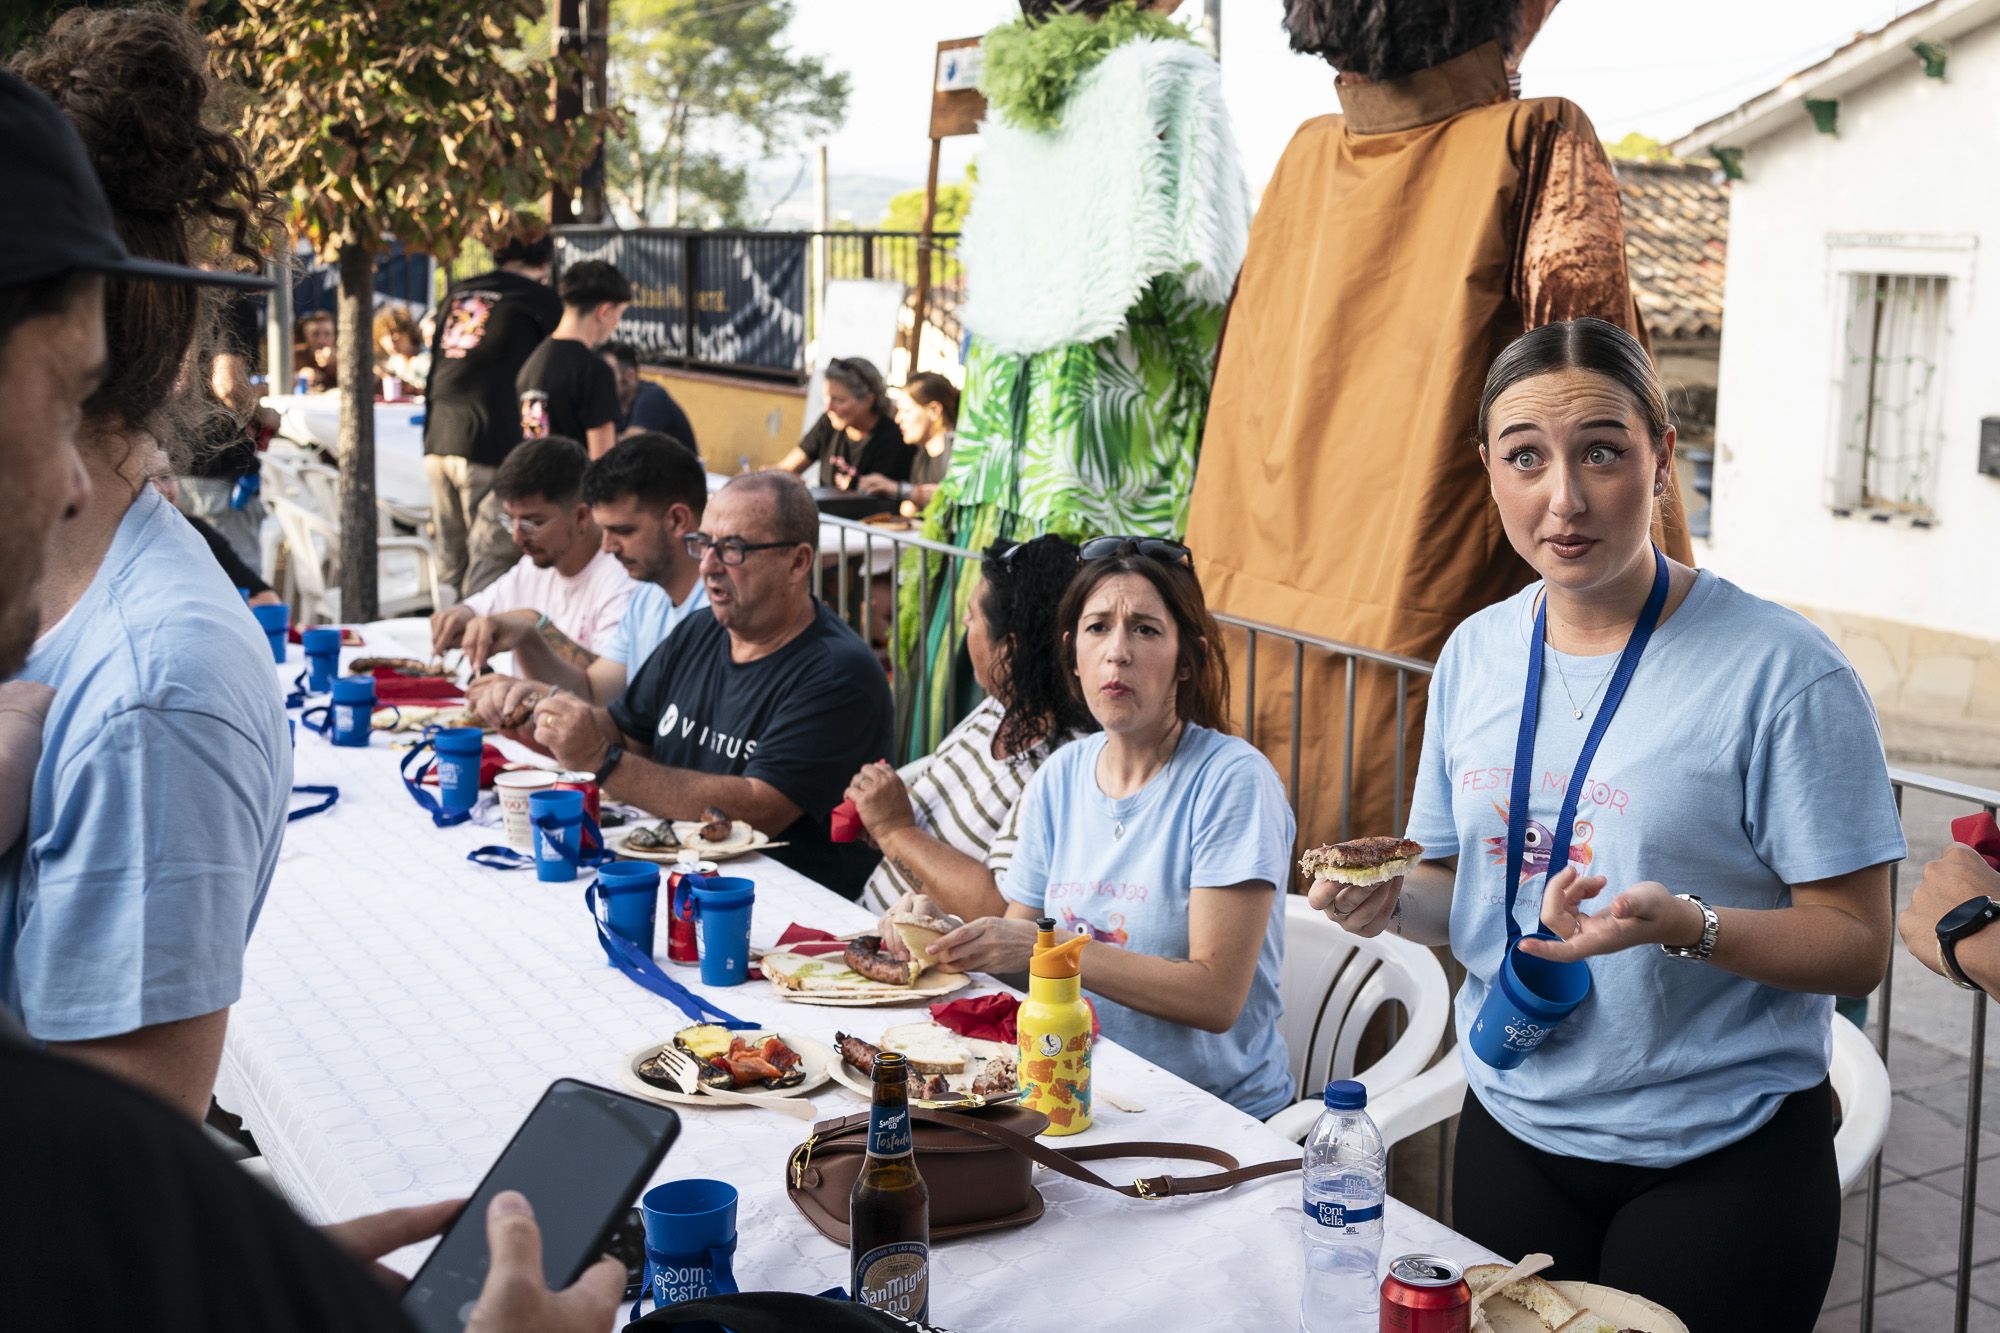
column 487, row 328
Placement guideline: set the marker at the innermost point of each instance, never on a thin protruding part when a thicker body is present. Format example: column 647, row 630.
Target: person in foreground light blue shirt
column 159, row 800
column 1164, row 839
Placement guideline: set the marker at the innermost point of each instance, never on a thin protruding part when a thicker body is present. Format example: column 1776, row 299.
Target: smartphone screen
column 580, row 1157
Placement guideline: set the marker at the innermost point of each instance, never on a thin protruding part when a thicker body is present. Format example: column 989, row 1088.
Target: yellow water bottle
column 1053, row 1025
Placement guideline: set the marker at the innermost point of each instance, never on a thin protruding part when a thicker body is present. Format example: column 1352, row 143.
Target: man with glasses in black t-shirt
column 761, row 706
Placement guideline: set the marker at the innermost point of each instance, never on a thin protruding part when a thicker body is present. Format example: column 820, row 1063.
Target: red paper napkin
column 1981, row 834
column 393, row 687
column 845, row 826
column 990, row 1017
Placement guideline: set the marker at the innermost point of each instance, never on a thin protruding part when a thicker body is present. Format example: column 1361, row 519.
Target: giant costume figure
column 1398, row 247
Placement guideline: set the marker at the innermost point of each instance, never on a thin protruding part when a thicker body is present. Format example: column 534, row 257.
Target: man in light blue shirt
column 159, row 799
column 646, row 495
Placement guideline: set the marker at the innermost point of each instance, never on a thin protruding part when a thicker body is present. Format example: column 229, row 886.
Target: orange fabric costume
column 1397, row 249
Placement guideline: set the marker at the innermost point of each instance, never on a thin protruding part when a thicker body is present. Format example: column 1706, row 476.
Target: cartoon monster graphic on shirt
column 465, row 324
column 1538, row 843
column 1117, row 934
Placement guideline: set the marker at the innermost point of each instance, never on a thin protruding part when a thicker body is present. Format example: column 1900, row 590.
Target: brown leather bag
column 978, row 1169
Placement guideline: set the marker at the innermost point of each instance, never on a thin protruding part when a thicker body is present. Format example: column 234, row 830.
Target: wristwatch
column 1710, row 924
column 1968, row 918
column 610, row 762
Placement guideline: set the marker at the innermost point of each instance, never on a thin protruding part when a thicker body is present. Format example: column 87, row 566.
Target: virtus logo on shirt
column 673, row 724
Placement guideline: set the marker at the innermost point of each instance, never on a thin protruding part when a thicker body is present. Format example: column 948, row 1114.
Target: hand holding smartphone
column 580, row 1158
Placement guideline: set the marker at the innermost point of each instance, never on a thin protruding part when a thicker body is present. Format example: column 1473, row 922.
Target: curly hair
column 1024, row 584
column 1387, row 39
column 135, row 83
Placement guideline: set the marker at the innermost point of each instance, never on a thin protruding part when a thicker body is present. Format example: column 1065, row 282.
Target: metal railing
column 853, row 558
column 893, row 255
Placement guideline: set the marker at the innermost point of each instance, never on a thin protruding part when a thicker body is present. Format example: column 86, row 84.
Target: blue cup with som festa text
column 557, row 820
column 690, row 1240
column 722, row 915
column 1529, row 997
column 627, row 902
column 322, row 647
column 458, row 750
column 352, row 709
column 276, row 622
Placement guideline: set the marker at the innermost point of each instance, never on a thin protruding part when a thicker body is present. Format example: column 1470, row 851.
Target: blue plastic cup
column 557, row 818
column 722, row 914
column 690, row 1240
column 353, row 709
column 277, row 623
column 458, row 750
column 1527, row 1000
column 322, row 658
column 628, row 899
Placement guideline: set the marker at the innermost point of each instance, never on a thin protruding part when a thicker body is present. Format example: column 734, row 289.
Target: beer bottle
column 889, row 1210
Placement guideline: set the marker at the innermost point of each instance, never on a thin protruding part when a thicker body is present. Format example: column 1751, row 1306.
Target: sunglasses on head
column 1152, row 548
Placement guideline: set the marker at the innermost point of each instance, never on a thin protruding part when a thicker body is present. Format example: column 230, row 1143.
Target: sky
column 1657, row 66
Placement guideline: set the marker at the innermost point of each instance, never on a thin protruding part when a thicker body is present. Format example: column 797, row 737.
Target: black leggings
column 1744, row 1237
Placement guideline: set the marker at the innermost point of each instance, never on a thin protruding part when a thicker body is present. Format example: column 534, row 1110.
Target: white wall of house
column 1910, row 184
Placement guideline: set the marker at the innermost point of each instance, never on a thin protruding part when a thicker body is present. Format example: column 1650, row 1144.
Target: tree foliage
column 906, row 210
column 1637, row 147
column 412, row 119
column 418, row 120
column 700, row 78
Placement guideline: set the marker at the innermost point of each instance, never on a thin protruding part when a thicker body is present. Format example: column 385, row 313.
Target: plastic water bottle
column 1346, row 1174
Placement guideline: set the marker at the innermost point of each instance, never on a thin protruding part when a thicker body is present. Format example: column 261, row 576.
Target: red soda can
column 1425, row 1294
column 587, row 784
column 681, row 946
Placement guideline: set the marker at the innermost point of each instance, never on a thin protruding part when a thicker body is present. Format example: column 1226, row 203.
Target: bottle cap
column 1344, row 1094
column 1059, row 960
column 1045, row 933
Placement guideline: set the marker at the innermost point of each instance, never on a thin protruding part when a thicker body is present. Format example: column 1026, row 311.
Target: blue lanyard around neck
column 1524, row 744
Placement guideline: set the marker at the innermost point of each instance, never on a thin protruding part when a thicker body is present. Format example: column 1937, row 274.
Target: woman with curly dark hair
column 160, row 796
column 947, row 823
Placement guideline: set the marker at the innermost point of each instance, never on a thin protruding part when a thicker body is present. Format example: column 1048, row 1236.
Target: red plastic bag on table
column 991, row 1017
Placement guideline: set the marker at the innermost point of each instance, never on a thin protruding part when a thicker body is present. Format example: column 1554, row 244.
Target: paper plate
column 744, row 840
column 1627, row 1311
column 979, row 1049
column 816, row 1056
column 868, row 994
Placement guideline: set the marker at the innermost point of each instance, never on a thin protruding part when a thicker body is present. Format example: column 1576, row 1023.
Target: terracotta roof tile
column 1676, row 242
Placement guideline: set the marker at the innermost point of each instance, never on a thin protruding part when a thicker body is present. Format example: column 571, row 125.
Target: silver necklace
column 1118, row 826
column 1575, row 710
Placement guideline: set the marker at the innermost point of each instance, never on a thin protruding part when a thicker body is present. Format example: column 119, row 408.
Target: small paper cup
column 514, row 787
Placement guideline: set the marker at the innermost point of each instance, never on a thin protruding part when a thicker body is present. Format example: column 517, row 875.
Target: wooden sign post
column 957, row 107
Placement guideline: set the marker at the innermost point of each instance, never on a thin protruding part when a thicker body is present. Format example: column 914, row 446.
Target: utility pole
column 1211, row 25
column 568, row 95
column 597, row 51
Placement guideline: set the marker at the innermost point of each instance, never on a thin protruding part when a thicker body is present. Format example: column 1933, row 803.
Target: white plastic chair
column 1861, row 1082
column 1333, row 984
column 406, row 568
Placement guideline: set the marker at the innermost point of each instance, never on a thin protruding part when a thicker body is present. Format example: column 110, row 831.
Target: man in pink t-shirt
column 564, row 578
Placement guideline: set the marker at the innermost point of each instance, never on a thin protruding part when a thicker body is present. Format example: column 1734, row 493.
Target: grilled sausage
column 864, row 954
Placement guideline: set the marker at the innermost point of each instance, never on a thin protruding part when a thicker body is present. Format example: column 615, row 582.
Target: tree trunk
column 356, row 335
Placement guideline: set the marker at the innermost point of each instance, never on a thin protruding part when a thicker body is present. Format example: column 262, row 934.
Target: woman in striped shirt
column 946, row 824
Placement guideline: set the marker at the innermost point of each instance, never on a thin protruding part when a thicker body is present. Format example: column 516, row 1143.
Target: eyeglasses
column 527, row 526
column 1153, row 548
column 729, row 550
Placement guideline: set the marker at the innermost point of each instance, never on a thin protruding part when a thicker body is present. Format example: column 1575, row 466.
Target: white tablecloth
column 314, row 418
column 403, row 1009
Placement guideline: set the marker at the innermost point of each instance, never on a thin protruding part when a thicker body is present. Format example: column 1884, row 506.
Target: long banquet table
column 404, row 1008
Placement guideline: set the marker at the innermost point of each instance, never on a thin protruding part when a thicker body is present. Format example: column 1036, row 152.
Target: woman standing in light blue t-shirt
column 1163, row 838
column 1673, row 1136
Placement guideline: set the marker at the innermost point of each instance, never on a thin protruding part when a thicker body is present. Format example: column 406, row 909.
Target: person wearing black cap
column 111, row 1196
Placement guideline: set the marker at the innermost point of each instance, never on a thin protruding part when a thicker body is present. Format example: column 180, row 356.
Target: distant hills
column 783, row 187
